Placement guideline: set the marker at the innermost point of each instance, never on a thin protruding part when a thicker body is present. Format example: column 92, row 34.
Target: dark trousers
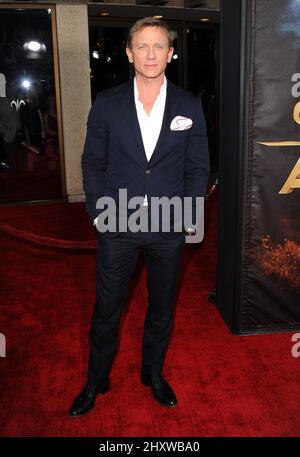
column 116, row 260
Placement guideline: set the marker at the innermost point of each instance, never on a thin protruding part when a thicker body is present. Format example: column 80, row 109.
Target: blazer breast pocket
column 178, row 136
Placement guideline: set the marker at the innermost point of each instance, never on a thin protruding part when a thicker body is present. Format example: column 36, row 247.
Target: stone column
column 73, row 51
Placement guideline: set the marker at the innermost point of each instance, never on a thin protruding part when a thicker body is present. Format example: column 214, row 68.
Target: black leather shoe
column 86, row 399
column 161, row 390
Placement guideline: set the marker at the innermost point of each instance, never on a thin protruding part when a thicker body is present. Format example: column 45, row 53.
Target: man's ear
column 129, row 55
column 170, row 54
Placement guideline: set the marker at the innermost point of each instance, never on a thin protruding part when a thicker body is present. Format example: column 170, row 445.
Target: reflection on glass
column 108, row 60
column 201, row 45
column 29, row 147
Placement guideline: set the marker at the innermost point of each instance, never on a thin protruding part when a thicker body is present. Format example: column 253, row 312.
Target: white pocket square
column 181, row 123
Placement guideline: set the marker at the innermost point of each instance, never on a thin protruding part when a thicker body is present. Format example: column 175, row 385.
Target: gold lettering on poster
column 297, row 113
column 293, row 181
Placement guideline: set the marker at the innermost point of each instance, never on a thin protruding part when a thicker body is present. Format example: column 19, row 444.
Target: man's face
column 150, row 51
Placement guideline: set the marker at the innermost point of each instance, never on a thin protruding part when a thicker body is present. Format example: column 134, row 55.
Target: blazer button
column 148, row 171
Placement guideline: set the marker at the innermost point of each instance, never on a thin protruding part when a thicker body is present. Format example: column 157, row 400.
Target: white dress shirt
column 150, row 124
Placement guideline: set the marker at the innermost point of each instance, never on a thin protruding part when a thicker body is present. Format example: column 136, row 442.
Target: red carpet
column 30, row 177
column 226, row 385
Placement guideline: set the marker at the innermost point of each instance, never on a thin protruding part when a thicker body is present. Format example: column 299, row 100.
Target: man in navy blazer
column 148, row 138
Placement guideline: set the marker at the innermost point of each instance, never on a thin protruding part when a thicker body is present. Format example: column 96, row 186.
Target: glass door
column 30, row 134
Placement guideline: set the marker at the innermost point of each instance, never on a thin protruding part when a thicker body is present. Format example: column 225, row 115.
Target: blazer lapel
column 170, row 108
column 130, row 114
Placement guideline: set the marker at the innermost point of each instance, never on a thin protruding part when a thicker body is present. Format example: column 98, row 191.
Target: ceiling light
column 34, row 49
column 26, row 83
column 34, row 46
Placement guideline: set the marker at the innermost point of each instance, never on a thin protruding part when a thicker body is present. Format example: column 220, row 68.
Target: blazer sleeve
column 196, row 170
column 94, row 158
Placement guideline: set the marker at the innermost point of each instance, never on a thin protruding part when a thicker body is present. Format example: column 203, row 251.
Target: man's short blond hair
column 149, row 22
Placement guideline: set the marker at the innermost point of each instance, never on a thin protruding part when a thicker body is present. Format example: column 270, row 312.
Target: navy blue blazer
column 114, row 155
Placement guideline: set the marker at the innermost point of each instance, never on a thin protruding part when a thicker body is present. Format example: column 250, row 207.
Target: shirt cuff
column 190, row 231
